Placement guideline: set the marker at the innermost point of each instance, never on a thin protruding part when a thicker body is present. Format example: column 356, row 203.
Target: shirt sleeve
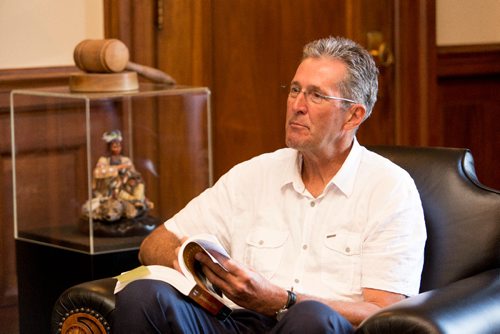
column 393, row 250
column 209, row 212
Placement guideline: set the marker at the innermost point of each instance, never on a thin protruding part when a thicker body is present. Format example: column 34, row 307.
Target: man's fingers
column 220, row 270
column 176, row 266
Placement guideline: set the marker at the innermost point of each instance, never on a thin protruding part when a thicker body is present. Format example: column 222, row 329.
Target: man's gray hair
column 361, row 84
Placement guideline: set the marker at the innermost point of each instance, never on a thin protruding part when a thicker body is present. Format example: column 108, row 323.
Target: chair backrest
column 462, row 215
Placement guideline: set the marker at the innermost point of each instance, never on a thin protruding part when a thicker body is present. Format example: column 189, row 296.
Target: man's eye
column 316, row 95
column 294, row 89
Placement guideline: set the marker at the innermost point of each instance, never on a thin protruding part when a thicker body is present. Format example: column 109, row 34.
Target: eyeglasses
column 314, row 96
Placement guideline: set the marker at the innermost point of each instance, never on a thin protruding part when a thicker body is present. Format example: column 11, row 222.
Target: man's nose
column 302, row 97
column 300, row 102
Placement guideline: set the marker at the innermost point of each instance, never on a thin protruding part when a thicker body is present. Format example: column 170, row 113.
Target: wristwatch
column 292, row 298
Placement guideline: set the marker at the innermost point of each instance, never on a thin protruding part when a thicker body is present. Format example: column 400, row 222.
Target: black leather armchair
column 460, row 290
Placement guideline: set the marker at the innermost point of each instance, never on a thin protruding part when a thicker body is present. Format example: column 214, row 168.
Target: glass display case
column 96, row 172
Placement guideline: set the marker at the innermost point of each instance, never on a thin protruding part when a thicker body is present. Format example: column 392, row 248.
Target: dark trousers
column 150, row 306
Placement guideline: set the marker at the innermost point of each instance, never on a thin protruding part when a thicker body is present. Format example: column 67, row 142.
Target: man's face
column 316, row 127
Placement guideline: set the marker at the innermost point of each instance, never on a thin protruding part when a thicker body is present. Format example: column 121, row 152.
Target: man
column 322, row 234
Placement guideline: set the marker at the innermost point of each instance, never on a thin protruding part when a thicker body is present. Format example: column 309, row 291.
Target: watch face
column 280, row 314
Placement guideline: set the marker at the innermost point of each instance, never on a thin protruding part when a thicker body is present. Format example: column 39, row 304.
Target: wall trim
column 32, row 76
column 468, row 60
column 25, row 78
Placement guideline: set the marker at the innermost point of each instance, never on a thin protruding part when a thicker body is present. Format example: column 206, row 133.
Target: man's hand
column 244, row 286
column 250, row 290
column 175, row 263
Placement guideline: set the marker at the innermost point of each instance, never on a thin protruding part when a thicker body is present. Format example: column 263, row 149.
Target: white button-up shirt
column 366, row 230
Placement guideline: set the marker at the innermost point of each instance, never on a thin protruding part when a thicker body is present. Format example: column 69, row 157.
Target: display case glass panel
column 73, row 189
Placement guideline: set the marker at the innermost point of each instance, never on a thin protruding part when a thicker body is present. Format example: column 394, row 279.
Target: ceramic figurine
column 118, row 189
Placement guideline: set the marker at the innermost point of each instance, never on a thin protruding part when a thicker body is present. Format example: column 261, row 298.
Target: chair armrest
column 470, row 306
column 85, row 308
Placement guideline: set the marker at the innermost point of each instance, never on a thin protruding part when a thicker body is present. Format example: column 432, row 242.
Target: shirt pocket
column 341, row 260
column 264, row 250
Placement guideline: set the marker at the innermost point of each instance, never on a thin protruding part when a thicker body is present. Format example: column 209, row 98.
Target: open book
column 191, row 282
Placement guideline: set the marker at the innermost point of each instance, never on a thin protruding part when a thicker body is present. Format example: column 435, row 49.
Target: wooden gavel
column 112, row 56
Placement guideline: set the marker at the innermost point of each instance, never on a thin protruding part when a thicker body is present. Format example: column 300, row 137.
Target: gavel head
column 101, row 55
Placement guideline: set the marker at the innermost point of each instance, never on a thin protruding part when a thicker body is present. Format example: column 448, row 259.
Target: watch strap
column 291, row 300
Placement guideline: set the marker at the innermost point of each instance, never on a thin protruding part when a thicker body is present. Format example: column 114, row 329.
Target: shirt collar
column 292, row 174
column 346, row 176
column 343, row 180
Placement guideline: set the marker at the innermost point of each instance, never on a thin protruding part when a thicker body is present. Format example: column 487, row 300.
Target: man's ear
column 356, row 116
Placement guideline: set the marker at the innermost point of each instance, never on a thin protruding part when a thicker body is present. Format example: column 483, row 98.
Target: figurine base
column 124, row 227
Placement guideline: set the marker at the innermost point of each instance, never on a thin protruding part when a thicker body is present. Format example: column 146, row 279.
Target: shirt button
column 296, row 280
column 313, row 204
column 347, row 249
column 304, row 247
column 261, row 242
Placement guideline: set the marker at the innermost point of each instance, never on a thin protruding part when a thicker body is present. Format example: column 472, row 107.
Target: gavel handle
column 151, row 73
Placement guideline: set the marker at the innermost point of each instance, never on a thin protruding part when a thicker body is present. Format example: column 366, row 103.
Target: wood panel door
column 244, row 51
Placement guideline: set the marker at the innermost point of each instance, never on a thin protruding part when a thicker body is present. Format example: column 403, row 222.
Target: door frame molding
column 416, row 71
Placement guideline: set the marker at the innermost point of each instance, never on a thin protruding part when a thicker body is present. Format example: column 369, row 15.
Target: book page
column 162, row 273
column 191, row 268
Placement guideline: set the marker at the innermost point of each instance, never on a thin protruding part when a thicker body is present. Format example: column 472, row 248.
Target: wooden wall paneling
column 27, row 78
column 398, row 118
column 302, row 22
column 368, row 17
column 179, row 44
column 118, row 20
column 184, row 44
column 468, row 60
column 134, row 23
column 469, row 105
column 470, row 116
column 243, row 50
column 142, row 33
column 415, row 79
column 182, row 145
column 16, row 79
column 246, row 83
column 258, row 45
